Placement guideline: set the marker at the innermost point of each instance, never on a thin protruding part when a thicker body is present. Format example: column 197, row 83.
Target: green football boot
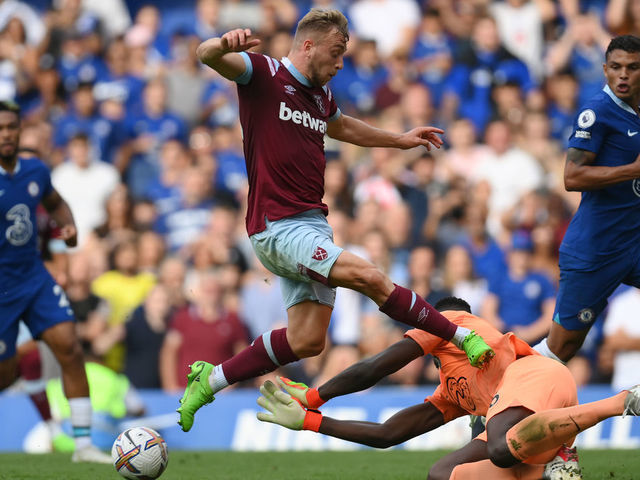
column 197, row 393
column 63, row 443
column 477, row 350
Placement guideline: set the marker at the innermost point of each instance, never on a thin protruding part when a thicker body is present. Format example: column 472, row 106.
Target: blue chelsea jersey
column 607, row 222
column 20, row 194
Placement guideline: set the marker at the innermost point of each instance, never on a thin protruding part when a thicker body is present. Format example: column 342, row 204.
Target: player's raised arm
column 580, row 174
column 61, row 214
column 358, row 376
column 352, row 130
column 221, row 53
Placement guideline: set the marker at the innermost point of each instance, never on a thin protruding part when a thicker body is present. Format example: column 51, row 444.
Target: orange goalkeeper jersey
column 465, row 389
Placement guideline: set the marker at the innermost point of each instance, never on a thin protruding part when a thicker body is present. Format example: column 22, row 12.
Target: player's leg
column 404, row 305
column 309, row 312
column 530, row 384
column 30, row 370
column 64, row 344
column 49, row 318
column 473, row 451
column 8, row 371
column 582, row 296
column 551, row 428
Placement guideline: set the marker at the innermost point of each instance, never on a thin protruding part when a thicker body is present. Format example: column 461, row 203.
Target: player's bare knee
column 307, row 347
column 68, row 352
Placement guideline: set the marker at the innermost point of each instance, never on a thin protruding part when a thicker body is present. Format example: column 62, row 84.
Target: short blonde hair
column 320, row 20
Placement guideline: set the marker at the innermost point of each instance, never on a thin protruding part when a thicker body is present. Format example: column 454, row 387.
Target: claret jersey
column 284, row 119
column 608, row 219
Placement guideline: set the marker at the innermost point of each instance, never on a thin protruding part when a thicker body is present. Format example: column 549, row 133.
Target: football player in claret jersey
column 286, row 109
column 27, row 290
column 601, row 248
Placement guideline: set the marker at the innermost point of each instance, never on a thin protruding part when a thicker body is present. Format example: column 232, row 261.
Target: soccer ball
column 140, row 453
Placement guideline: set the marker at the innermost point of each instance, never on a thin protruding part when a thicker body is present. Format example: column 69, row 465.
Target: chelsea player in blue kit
column 601, row 248
column 27, row 290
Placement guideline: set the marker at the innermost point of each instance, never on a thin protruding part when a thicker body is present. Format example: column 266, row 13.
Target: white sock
column 217, row 380
column 81, row 421
column 543, row 349
column 459, row 336
column 54, row 428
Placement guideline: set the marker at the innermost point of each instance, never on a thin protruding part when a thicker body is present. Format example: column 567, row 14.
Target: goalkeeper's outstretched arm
column 284, row 410
column 370, row 371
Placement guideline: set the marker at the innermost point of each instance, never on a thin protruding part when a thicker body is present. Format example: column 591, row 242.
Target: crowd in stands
column 144, row 143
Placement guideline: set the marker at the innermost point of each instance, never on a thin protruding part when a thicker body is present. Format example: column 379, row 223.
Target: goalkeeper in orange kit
column 530, row 402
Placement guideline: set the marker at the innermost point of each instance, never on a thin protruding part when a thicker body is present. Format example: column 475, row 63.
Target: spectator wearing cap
column 522, row 301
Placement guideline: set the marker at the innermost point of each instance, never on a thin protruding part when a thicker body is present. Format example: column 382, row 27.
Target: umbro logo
column 631, row 134
column 320, row 254
column 289, row 89
column 422, row 315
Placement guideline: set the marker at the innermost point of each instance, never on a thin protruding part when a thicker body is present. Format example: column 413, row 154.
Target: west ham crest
column 320, row 103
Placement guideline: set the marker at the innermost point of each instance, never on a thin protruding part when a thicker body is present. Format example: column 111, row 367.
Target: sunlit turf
column 365, row 464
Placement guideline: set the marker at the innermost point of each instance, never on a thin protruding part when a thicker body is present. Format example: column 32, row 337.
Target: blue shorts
column 300, row 249
column 39, row 302
column 586, row 286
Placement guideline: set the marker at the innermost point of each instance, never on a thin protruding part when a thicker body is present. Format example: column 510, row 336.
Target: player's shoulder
column 34, row 165
column 596, row 109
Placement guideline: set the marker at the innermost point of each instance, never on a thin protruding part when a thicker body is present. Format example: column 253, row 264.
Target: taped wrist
column 312, row 420
column 313, row 398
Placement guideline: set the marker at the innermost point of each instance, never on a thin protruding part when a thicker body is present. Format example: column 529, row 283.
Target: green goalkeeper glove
column 308, row 397
column 286, row 410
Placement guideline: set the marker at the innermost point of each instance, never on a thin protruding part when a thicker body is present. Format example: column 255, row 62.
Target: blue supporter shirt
column 20, row 194
column 607, row 222
column 521, row 299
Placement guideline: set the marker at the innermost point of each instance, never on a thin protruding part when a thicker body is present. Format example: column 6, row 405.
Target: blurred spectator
column 77, row 63
column 414, row 186
column 85, row 183
column 337, row 187
column 481, row 63
column 562, row 90
column 148, row 130
column 113, row 14
column 171, row 276
column 151, row 251
column 362, row 76
column 44, row 100
column 509, row 171
column 581, row 48
column 34, row 27
column 117, row 81
column 520, row 24
column 187, row 215
column 118, row 224
column 486, row 256
column 200, row 331
column 460, row 279
column 445, row 223
column 142, row 336
column 522, row 301
column 185, row 84
column 464, row 154
column 422, row 264
column 621, row 347
column 261, row 301
column 432, row 53
column 623, row 17
column 165, row 189
column 123, row 287
column 84, row 117
column 207, row 14
column 392, row 24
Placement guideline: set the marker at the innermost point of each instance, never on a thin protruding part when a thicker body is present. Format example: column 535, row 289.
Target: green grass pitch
column 366, row 464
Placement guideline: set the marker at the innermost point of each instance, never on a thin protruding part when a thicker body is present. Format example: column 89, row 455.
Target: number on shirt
column 20, row 232
column 57, row 291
